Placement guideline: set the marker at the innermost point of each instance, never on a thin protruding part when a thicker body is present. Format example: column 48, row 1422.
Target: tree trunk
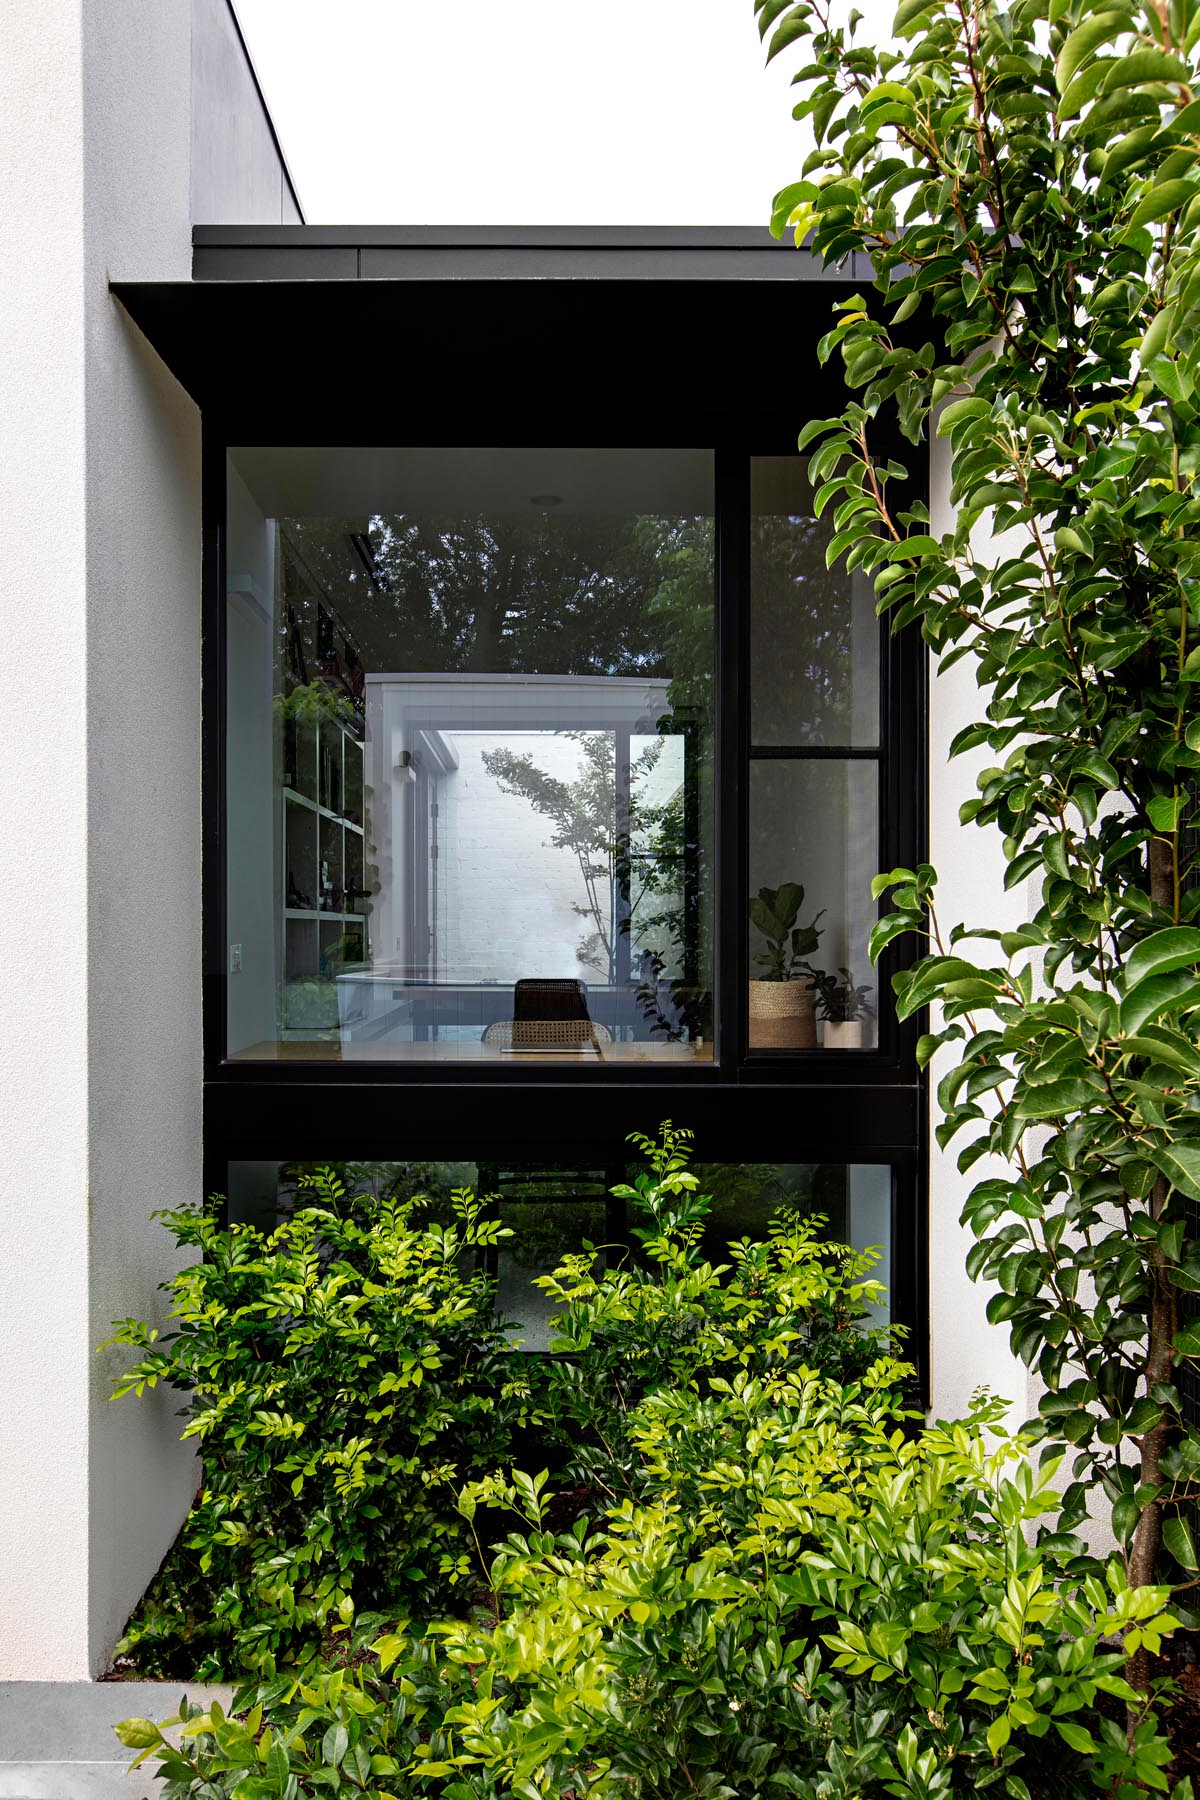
column 1161, row 1324
column 1160, row 866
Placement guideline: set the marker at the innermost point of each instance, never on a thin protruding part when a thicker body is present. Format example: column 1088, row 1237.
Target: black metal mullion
column 731, row 738
column 214, row 1019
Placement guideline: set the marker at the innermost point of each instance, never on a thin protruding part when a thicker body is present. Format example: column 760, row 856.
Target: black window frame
column 863, row 1106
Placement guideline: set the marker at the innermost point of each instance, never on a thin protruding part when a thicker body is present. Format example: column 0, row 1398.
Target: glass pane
column 470, row 755
column 814, row 848
column 814, row 637
column 554, row 1211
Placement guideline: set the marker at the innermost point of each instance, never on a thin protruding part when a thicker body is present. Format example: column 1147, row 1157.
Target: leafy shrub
column 800, row 1592
column 343, row 1374
column 663, row 1321
column 808, row 1601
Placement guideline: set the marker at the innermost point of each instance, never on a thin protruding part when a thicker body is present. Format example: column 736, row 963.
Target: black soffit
column 304, row 317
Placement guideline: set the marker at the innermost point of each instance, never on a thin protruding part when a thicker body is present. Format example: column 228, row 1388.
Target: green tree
column 1024, row 177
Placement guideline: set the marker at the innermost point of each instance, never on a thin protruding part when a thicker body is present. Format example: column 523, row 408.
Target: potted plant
column 842, row 1007
column 782, row 1006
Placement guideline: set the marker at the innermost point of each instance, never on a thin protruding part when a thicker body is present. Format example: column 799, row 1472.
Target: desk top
column 475, row 1053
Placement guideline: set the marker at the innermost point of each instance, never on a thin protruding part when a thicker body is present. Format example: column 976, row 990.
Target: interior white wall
column 817, row 823
column 252, row 825
column 869, row 1223
column 99, row 1009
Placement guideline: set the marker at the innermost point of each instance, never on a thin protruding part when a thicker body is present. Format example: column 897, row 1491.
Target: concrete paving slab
column 57, row 1740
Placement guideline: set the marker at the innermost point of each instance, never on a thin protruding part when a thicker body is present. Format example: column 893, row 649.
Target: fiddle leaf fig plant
column 1025, row 180
column 775, row 913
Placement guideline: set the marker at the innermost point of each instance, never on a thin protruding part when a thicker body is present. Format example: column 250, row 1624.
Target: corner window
column 469, row 756
column 814, row 777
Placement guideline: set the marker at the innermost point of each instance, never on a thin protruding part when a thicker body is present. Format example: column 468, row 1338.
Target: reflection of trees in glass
column 746, row 1195
column 544, row 1231
column 682, row 607
column 561, row 596
column 622, row 863
column 802, row 632
column 436, row 1182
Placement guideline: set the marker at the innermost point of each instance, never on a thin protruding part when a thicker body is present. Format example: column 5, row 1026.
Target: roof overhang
column 317, row 323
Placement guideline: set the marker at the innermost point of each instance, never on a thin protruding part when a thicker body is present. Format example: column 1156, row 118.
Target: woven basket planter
column 783, row 1016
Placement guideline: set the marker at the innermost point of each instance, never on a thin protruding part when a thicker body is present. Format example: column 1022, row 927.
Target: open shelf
column 322, row 902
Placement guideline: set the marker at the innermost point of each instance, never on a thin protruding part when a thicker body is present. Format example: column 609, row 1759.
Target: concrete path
column 57, row 1741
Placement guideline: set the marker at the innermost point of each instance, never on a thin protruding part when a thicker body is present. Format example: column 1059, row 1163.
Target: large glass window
column 814, row 777
column 470, row 755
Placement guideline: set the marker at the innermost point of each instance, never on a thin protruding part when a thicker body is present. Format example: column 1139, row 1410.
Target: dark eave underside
column 353, row 330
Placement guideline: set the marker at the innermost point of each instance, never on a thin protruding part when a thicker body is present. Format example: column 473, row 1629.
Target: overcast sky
column 526, row 112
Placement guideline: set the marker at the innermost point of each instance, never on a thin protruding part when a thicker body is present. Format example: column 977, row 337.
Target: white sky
column 526, row 112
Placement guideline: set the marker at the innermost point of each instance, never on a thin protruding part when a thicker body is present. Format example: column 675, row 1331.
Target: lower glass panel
column 814, row 849
column 555, row 1210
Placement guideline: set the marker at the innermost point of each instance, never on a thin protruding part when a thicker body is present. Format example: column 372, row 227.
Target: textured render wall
column 967, row 1352
column 43, row 995
column 238, row 176
column 143, row 704
column 99, row 1009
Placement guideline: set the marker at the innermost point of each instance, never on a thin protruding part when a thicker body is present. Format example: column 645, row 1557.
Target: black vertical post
column 213, row 752
column 731, row 747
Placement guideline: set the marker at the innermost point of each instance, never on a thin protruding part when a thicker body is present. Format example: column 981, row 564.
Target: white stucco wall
column 967, row 1352
column 99, row 1008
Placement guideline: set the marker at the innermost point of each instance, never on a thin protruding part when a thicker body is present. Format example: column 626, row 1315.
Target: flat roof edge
column 250, row 253
column 525, row 237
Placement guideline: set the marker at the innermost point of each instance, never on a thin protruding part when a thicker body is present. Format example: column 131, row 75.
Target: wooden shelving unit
column 322, row 899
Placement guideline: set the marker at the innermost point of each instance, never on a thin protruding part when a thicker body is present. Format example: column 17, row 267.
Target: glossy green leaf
column 1175, row 948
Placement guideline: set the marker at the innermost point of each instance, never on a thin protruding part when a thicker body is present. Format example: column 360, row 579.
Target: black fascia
column 510, row 253
column 556, row 1120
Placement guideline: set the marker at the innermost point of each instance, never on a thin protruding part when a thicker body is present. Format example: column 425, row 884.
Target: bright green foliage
column 347, row 1373
column 343, row 1376
column 806, row 1601
column 798, row 1592
column 1025, row 179
column 662, row 1322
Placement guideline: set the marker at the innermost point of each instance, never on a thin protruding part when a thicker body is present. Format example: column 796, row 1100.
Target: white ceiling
column 462, row 483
